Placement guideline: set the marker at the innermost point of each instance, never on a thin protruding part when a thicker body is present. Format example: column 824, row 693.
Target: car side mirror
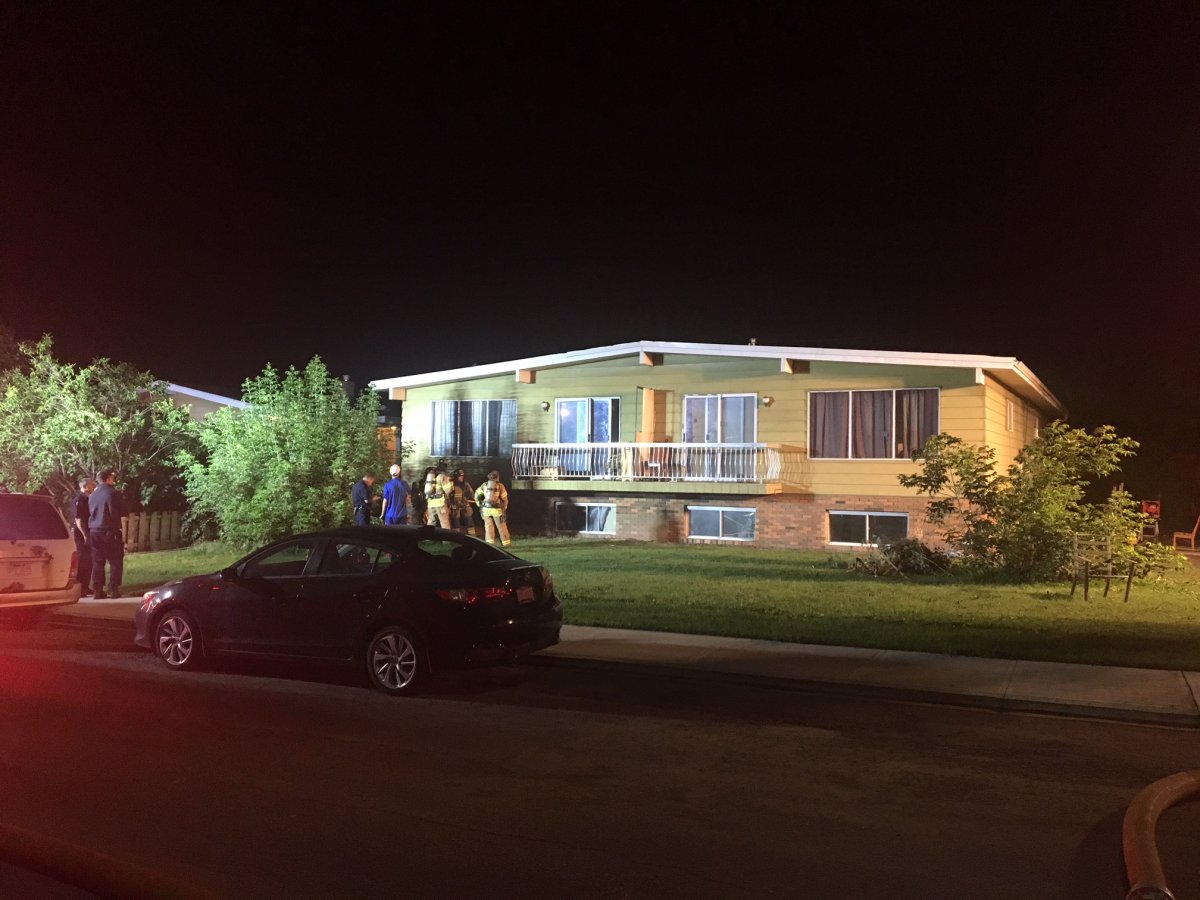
column 229, row 574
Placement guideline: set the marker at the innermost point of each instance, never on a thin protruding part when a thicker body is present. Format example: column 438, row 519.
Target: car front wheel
column 396, row 662
column 177, row 640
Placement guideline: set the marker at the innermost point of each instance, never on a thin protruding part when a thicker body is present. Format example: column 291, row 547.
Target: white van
column 38, row 562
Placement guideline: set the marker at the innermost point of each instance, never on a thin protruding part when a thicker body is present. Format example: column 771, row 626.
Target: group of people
column 439, row 498
column 98, row 518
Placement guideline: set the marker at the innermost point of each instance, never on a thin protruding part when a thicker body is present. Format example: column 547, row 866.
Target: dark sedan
column 402, row 601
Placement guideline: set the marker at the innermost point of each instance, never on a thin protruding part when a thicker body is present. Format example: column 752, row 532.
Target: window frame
column 1010, row 414
column 720, row 419
column 866, row 514
column 585, row 505
column 850, row 422
column 753, row 510
column 455, row 452
column 613, row 422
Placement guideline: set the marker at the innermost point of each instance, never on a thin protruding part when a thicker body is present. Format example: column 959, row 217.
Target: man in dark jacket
column 107, row 515
column 79, row 530
column 362, row 496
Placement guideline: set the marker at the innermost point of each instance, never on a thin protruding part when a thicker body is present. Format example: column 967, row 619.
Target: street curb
column 881, row 692
column 95, row 622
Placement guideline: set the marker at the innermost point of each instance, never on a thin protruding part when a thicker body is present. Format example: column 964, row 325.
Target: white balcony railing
column 751, row 463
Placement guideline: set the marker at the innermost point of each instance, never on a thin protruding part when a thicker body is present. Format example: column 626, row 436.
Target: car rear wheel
column 177, row 640
column 396, row 662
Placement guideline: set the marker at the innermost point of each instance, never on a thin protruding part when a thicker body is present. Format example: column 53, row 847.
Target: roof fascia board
column 205, row 395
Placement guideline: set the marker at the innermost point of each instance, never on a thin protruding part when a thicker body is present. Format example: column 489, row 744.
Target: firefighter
column 437, row 486
column 492, row 498
column 459, row 500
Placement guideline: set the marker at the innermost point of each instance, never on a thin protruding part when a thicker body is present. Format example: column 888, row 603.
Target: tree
column 285, row 463
column 60, row 422
column 10, row 351
column 1022, row 522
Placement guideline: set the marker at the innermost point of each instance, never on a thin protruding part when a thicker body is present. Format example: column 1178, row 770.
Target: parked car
column 38, row 562
column 403, row 602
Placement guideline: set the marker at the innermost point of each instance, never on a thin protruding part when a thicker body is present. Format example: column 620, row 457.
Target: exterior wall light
column 768, row 400
column 545, row 406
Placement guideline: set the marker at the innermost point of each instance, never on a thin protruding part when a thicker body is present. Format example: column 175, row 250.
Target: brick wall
column 783, row 520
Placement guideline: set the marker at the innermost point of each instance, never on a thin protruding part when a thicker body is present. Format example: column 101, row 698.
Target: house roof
column 180, row 390
column 1008, row 370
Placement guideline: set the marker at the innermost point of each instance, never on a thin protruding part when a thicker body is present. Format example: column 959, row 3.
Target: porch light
column 545, row 406
column 768, row 400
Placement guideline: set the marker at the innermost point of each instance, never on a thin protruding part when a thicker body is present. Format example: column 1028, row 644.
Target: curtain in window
column 828, row 425
column 872, row 424
column 444, row 440
column 916, row 420
column 737, row 419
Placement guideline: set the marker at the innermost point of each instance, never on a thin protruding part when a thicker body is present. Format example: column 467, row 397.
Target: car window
column 347, row 558
column 282, row 562
column 24, row 518
column 465, row 550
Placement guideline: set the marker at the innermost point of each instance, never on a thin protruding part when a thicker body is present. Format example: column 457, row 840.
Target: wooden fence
column 152, row 531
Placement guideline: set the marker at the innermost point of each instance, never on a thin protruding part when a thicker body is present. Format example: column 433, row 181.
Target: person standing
column 395, row 499
column 460, row 499
column 417, row 495
column 492, row 497
column 107, row 517
column 362, row 496
column 79, row 518
column 437, row 487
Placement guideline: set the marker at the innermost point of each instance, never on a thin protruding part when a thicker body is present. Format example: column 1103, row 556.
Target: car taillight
column 472, row 595
column 74, row 567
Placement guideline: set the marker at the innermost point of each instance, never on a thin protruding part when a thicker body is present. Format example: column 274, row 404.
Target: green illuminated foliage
column 60, row 422
column 285, row 463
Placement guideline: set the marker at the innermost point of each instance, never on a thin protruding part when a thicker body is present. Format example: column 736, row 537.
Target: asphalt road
column 267, row 781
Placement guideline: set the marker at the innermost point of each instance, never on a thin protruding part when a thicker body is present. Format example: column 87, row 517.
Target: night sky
column 199, row 189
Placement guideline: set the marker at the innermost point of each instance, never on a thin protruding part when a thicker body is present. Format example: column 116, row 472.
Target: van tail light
column 471, row 596
column 74, row 576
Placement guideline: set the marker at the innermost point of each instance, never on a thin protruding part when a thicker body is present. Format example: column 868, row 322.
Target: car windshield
column 25, row 518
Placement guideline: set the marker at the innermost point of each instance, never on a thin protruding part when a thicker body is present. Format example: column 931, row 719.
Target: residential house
column 771, row 446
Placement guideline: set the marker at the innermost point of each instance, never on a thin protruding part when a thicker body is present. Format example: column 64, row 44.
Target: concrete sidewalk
column 1149, row 696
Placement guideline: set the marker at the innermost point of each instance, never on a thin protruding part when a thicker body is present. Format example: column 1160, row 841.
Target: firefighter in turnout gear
column 459, row 500
column 437, row 486
column 492, row 498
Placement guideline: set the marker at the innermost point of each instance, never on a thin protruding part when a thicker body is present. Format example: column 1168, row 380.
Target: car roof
column 388, row 534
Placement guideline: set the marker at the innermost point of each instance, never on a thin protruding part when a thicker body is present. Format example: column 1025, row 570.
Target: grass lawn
column 814, row 597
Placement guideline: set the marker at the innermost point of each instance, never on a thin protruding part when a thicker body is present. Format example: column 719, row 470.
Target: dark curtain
column 828, row 425
column 872, row 424
column 917, row 420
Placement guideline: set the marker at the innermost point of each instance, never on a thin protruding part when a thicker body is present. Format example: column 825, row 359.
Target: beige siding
column 1025, row 421
column 784, row 422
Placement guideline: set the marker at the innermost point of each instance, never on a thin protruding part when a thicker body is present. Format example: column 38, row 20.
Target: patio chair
column 1189, row 536
column 1092, row 557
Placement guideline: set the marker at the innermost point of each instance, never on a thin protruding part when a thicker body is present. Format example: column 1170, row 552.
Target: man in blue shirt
column 395, row 499
column 361, row 496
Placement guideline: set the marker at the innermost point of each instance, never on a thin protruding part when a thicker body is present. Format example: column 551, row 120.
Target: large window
column 589, row 420
column 720, row 418
column 473, row 427
column 727, row 523
column 853, row 527
column 586, row 518
column 871, row 424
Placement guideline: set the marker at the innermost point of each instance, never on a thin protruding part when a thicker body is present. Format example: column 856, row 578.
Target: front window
column 589, row 420
column 887, row 424
column 720, row 418
column 473, row 427
column 288, row 561
column 858, row 528
column 728, row 523
column 586, row 518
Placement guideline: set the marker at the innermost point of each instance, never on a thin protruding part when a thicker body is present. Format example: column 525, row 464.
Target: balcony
column 750, row 464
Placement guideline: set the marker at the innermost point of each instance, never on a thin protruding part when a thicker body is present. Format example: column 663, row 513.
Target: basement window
column 586, row 518
column 861, row 528
column 726, row 523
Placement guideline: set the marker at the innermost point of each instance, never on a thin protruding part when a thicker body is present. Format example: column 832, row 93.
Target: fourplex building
column 679, row 442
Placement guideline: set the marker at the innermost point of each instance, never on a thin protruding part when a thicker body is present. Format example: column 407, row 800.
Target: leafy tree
column 285, row 463
column 1022, row 522
column 60, row 422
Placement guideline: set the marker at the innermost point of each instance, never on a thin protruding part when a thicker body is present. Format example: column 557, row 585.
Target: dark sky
column 202, row 188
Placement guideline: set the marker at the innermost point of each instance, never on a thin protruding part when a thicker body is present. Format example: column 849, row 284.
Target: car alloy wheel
column 395, row 661
column 177, row 640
